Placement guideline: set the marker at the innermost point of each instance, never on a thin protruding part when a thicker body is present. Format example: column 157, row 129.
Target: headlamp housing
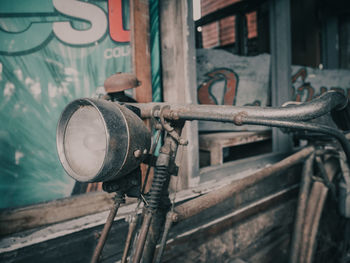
column 99, row 140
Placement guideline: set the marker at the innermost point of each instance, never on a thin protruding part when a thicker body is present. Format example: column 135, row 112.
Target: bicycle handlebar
column 291, row 116
column 320, row 106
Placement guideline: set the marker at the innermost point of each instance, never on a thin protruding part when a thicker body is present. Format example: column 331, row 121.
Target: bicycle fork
column 158, row 200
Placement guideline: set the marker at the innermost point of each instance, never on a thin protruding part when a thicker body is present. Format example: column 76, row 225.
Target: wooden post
column 280, row 48
column 179, row 76
column 241, row 33
column 141, row 58
column 330, row 43
column 140, row 48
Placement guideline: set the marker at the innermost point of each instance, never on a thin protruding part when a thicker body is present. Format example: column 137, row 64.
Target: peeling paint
column 19, row 74
column 34, row 87
column 9, row 90
column 52, row 89
column 18, row 156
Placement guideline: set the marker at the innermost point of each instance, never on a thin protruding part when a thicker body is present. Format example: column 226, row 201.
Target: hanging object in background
column 116, row 85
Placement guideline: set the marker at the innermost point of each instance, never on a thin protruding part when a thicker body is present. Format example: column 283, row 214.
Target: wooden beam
column 241, row 34
column 19, row 219
column 140, row 48
column 269, row 212
column 141, row 58
column 280, row 48
column 330, row 42
column 179, row 76
column 74, row 240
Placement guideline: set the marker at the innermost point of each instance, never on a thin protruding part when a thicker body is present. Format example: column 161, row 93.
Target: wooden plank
column 215, row 142
column 277, row 249
column 179, row 77
column 216, row 155
column 330, row 42
column 15, row 220
column 19, row 219
column 232, row 235
column 60, row 242
column 228, row 139
column 240, row 167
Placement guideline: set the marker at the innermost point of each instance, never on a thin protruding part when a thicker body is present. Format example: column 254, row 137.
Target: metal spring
column 160, row 176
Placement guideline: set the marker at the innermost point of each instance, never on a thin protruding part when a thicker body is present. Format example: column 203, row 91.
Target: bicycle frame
column 293, row 117
column 171, row 117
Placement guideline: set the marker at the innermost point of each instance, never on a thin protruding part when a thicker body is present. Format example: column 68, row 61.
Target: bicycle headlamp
column 99, row 140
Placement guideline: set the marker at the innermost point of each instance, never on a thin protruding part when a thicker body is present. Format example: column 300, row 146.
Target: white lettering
column 116, row 52
column 82, row 10
column 108, row 53
column 19, row 74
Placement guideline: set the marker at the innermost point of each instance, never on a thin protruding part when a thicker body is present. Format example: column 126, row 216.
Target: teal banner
column 51, row 52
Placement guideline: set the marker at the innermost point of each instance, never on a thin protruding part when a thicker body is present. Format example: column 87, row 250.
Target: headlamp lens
column 85, row 141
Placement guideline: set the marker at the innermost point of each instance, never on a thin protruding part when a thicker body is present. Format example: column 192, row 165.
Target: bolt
column 134, row 182
column 174, row 115
column 96, row 235
column 238, row 118
column 183, row 142
column 137, row 153
column 175, row 217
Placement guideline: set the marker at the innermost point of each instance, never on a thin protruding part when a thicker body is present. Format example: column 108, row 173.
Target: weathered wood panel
column 19, row 219
column 240, row 234
column 267, row 199
column 280, row 49
column 216, row 142
column 140, row 46
column 15, row 220
column 179, row 76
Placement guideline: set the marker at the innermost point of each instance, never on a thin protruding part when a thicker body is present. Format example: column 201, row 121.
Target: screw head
column 137, row 153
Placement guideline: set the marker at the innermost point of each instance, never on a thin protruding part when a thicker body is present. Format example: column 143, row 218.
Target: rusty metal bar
column 318, row 107
column 133, row 222
column 328, row 130
column 302, row 202
column 294, row 117
column 157, row 192
column 168, row 223
column 330, row 169
column 142, row 237
column 154, row 232
column 102, row 240
column 308, row 221
column 199, row 204
column 315, row 204
column 131, row 231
